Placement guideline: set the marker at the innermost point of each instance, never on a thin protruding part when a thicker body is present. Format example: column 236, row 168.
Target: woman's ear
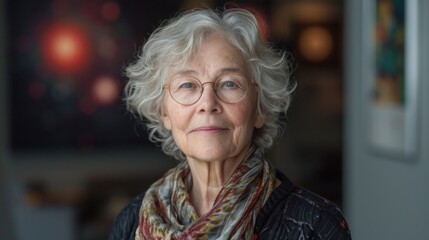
column 259, row 121
column 165, row 117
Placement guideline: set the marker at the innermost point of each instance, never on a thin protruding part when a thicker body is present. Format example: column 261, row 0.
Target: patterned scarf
column 167, row 213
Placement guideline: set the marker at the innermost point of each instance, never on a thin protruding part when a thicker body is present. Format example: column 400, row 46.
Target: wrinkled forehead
column 230, row 57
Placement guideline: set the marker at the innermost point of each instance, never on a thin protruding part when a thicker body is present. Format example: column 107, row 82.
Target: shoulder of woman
column 302, row 215
column 317, row 213
column 126, row 222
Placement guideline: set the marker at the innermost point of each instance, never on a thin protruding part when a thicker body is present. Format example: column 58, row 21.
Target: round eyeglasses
column 187, row 90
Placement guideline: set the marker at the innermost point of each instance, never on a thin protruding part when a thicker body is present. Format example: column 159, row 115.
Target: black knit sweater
column 290, row 212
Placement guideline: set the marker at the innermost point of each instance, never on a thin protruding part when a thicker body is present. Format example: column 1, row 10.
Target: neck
column 208, row 179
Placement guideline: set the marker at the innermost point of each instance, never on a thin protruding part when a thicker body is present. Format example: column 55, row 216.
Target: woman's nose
column 209, row 102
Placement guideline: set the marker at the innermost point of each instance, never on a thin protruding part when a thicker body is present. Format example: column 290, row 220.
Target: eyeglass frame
column 202, row 91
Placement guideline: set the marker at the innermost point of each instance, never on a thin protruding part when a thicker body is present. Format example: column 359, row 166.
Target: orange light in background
column 315, row 43
column 106, row 90
column 65, row 48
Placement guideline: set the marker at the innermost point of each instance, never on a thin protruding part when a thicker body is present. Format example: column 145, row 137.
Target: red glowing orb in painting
column 65, row 47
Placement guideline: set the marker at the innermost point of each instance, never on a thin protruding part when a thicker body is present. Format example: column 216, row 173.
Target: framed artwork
column 390, row 65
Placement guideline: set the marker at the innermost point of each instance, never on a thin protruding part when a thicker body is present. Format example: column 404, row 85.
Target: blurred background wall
column 72, row 157
column 386, row 192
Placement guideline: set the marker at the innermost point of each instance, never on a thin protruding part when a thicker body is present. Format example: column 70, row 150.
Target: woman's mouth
column 209, row 129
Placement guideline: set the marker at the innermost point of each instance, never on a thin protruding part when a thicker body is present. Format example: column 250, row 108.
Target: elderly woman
column 212, row 92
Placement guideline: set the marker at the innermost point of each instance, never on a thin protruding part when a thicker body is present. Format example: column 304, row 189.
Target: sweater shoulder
column 296, row 213
column 322, row 217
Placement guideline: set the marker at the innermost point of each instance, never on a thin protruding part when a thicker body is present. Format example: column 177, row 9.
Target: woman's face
column 211, row 130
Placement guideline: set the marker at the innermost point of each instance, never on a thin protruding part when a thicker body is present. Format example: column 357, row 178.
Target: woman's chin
column 214, row 152
column 210, row 153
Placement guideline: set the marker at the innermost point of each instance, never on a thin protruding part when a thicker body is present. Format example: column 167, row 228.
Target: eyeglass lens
column 188, row 90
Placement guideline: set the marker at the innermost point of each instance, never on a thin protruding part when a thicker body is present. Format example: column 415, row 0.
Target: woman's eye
column 187, row 85
column 230, row 84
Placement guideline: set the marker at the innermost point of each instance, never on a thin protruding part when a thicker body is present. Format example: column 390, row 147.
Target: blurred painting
column 390, row 52
column 392, row 126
